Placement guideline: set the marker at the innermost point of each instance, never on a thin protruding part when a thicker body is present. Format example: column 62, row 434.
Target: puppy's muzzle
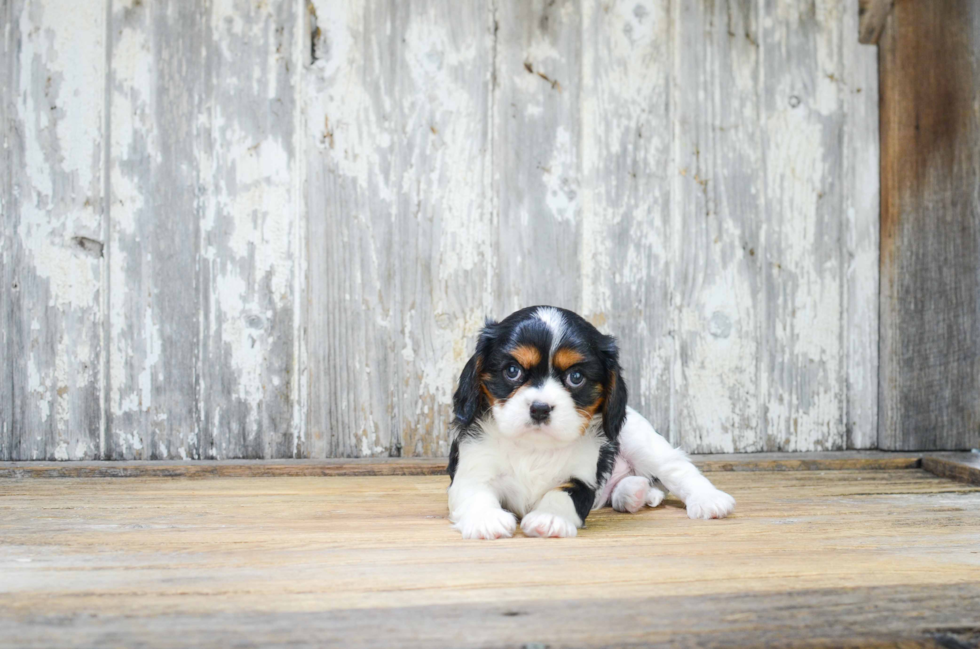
column 540, row 411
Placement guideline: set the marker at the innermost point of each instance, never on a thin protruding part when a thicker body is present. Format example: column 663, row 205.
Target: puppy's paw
column 710, row 504
column 544, row 524
column 635, row 492
column 655, row 497
column 630, row 495
column 487, row 524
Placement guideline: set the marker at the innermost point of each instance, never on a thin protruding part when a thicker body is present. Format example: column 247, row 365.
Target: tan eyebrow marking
column 526, row 355
column 565, row 358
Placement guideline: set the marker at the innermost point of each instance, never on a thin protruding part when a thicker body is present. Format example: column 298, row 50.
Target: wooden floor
column 823, row 558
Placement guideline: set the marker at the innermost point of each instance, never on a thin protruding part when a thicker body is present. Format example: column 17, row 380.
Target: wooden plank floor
column 822, row 558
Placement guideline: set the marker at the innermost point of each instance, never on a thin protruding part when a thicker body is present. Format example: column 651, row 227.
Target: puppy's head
column 545, row 374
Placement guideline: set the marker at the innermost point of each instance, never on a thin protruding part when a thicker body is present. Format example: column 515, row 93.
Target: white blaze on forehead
column 551, row 392
column 556, row 323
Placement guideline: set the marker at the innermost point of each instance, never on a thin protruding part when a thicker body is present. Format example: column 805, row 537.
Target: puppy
column 542, row 433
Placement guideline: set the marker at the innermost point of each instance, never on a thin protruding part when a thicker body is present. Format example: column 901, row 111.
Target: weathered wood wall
column 930, row 226
column 245, row 228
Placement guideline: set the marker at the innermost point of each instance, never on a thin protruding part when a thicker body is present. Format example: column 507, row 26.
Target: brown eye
column 513, row 373
column 574, row 379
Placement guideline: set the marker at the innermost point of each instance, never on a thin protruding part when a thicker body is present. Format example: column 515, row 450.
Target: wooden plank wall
column 273, row 229
column 202, row 262
column 54, row 78
column 930, row 226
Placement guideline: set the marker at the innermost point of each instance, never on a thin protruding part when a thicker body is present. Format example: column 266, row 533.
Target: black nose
column 540, row 411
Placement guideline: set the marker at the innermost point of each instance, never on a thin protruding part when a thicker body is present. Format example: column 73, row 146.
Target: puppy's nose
column 540, row 411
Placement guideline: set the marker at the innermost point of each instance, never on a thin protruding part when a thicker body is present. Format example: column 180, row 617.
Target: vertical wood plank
column 401, row 234
column 54, row 67
column 862, row 214
column 625, row 195
column 718, row 176
column 204, row 262
column 802, row 359
column 8, row 42
column 929, row 384
column 536, row 157
column 158, row 141
column 248, row 259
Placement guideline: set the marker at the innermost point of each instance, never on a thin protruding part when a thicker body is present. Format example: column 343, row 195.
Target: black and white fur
column 542, row 433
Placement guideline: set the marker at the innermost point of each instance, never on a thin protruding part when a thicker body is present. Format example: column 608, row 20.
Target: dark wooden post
column 929, row 380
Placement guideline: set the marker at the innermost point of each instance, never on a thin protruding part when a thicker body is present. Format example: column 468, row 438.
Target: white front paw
column 710, row 504
column 487, row 524
column 547, row 525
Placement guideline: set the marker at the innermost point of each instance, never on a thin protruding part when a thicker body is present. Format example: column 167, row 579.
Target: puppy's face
column 545, row 375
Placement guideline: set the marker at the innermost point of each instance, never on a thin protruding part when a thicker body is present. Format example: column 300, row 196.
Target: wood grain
column 52, row 239
column 625, row 192
column 718, row 179
column 962, row 467
column 537, row 130
column 226, row 468
column 251, row 234
column 908, row 617
column 829, row 461
column 311, row 207
column 873, row 14
column 828, row 558
column 204, row 258
column 802, row 377
column 158, row 134
column 861, row 209
column 929, row 384
column 401, row 231
column 7, row 60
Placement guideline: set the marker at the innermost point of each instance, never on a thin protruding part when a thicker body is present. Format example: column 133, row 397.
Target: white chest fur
column 521, row 471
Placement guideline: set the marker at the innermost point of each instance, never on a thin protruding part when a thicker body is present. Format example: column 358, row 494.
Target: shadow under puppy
column 542, row 431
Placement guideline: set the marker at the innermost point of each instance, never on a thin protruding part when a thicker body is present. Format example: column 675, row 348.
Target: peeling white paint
column 861, row 203
column 53, row 137
column 344, row 119
column 691, row 176
column 561, row 178
column 36, row 387
column 134, row 440
column 151, row 332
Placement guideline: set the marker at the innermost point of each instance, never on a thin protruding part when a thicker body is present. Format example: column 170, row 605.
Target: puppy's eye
column 574, row 379
column 513, row 372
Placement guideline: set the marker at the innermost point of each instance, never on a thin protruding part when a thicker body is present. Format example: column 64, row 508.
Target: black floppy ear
column 614, row 401
column 469, row 400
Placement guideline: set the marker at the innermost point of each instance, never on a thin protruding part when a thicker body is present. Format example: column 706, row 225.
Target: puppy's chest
column 524, row 476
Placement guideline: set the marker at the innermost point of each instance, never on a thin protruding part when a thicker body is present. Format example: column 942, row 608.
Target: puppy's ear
column 614, row 401
column 469, row 400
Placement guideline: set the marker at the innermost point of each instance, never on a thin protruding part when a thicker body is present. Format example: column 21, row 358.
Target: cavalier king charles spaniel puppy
column 542, row 433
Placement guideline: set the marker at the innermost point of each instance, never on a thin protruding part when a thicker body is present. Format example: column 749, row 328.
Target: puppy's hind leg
column 634, row 493
column 653, row 457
